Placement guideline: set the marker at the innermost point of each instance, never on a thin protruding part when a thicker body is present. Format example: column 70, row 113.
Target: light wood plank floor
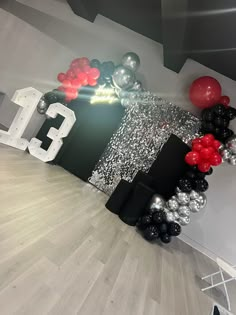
column 62, row 252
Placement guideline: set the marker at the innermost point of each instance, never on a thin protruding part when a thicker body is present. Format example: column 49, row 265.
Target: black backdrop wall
column 95, row 124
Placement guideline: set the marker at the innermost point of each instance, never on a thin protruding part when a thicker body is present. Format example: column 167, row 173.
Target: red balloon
column 192, row 158
column 70, row 74
column 208, row 140
column 206, row 153
column 75, row 63
column 197, row 141
column 204, row 166
column 225, row 100
column 66, row 83
column 61, row 88
column 91, row 81
column 215, row 159
column 94, row 73
column 61, row 77
column 83, row 78
column 205, row 92
column 197, row 147
column 77, row 71
column 86, row 69
column 84, row 61
column 76, row 83
column 71, row 93
column 216, row 144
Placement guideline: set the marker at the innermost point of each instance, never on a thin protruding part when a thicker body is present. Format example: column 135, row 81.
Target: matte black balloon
column 210, row 171
column 194, row 168
column 95, row 63
column 165, row 238
column 51, row 97
column 230, row 113
column 144, row 221
column 151, row 233
column 219, row 110
column 221, row 122
column 60, row 96
column 158, row 217
column 190, row 174
column 225, row 133
column 200, row 185
column 185, row 185
column 101, row 81
column 163, row 228
column 207, row 127
column 200, row 175
column 107, row 68
column 174, row 229
column 207, row 114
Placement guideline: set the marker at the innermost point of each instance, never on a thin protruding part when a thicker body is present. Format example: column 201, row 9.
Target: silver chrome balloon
column 184, row 220
column 131, row 61
column 184, row 211
column 123, row 78
column 169, row 216
column 176, row 215
column 173, row 204
column 194, row 195
column 157, row 203
column 42, row 106
column 177, row 190
column 183, row 198
column 225, row 154
column 202, row 200
column 194, row 206
column 137, row 87
column 231, row 144
column 232, row 160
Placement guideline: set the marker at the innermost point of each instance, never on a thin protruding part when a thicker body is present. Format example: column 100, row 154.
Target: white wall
column 34, row 57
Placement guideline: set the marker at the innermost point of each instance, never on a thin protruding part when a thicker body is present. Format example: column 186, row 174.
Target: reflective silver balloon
column 184, row 220
column 183, row 198
column 232, row 160
column 231, row 144
column 42, row 106
column 131, row 61
column 173, row 204
column 226, row 154
column 176, row 215
column 202, row 200
column 137, row 86
column 194, row 206
column 169, row 216
column 184, row 211
column 194, row 195
column 177, row 190
column 157, row 203
column 123, row 78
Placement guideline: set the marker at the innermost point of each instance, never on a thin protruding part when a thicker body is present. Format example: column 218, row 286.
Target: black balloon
column 163, row 228
column 200, row 175
column 51, row 97
column 207, row 114
column 221, row 122
column 190, row 174
column 224, row 134
column 101, row 81
column 219, row 110
column 158, row 217
column 207, row 127
column 174, row 229
column 185, row 185
column 151, row 233
column 165, row 238
column 107, row 68
column 230, row 113
column 60, row 96
column 200, row 185
column 210, row 171
column 95, row 63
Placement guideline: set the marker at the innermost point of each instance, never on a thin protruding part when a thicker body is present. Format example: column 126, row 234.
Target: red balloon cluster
column 79, row 74
column 204, row 153
column 206, row 92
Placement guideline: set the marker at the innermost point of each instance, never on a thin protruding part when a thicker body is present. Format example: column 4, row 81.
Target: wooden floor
column 62, row 252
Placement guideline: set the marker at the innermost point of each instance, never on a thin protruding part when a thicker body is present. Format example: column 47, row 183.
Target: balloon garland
column 163, row 219
column 103, row 75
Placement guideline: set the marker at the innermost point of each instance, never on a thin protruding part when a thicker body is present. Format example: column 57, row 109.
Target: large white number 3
column 27, row 99
column 55, row 134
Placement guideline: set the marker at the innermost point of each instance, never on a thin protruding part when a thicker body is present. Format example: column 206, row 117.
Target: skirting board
column 197, row 246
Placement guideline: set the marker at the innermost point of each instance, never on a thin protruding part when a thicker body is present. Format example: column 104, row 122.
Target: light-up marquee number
column 27, row 99
column 55, row 134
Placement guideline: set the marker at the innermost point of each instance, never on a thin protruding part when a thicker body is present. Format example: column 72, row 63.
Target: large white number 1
column 27, row 99
column 55, row 134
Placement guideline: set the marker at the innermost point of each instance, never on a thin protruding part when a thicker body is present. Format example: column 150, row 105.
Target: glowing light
column 104, row 95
